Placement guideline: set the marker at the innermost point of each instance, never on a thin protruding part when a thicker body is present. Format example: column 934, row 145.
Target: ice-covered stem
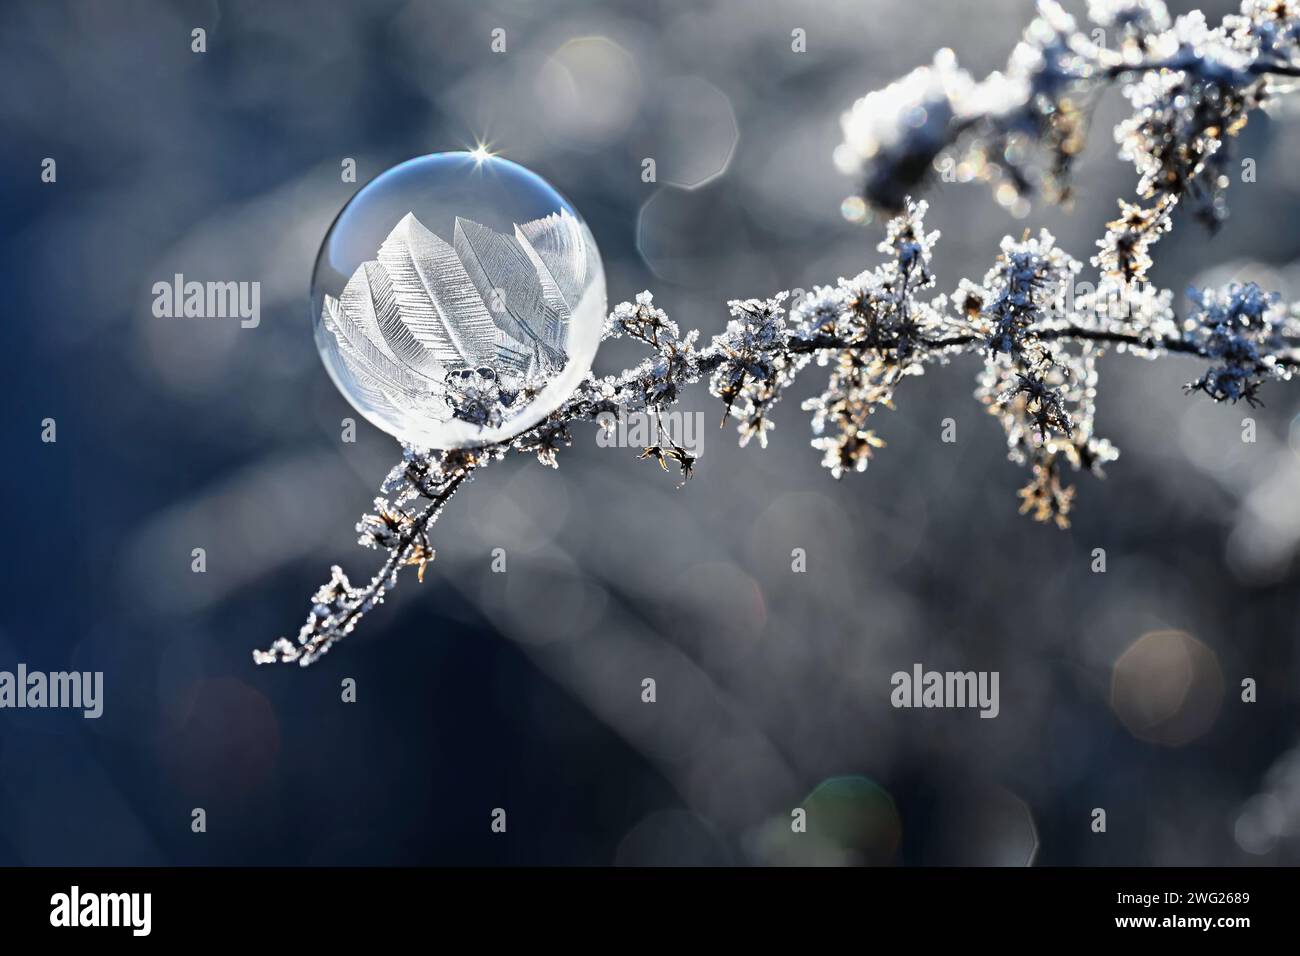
column 1039, row 341
column 1039, row 330
column 1191, row 88
column 337, row 607
column 422, row 483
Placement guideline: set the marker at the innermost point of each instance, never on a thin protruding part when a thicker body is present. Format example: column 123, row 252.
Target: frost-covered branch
column 1040, row 334
column 1191, row 87
column 872, row 332
column 1039, row 329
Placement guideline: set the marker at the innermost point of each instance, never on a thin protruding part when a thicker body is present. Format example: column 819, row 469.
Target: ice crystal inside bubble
column 457, row 300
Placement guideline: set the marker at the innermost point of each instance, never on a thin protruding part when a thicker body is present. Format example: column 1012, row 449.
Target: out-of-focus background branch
column 522, row 690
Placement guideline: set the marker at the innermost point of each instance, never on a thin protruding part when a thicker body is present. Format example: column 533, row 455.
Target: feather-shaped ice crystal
column 453, row 344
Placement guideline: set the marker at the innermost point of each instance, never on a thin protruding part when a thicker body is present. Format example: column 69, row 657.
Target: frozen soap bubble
column 457, row 300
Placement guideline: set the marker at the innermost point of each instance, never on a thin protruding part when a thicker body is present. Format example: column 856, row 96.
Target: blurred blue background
column 522, row 691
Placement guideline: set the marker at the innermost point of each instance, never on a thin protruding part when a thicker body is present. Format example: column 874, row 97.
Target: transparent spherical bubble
column 457, row 300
